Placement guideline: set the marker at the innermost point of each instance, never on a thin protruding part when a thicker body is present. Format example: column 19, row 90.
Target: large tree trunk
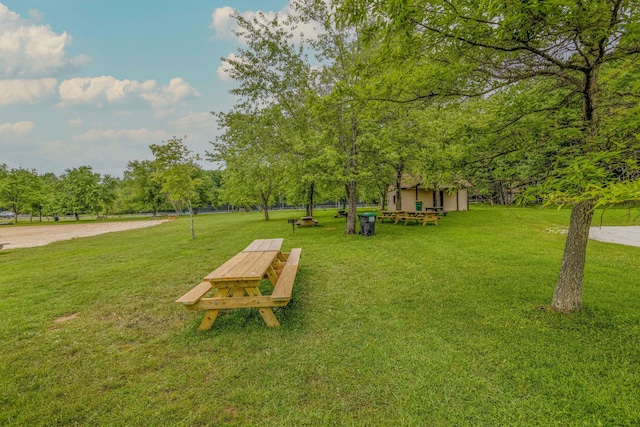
column 352, row 202
column 193, row 232
column 568, row 294
column 436, row 193
column 309, row 205
column 265, row 204
column 352, row 197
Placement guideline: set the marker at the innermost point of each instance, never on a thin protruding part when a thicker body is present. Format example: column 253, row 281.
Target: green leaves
column 175, row 170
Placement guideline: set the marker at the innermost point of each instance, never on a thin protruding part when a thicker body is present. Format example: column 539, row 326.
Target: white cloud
column 28, row 50
column 21, row 91
column 75, row 123
column 98, row 91
column 36, row 15
column 222, row 22
column 19, row 128
column 224, row 69
column 224, row 25
column 194, row 120
column 162, row 113
column 121, row 134
column 177, row 90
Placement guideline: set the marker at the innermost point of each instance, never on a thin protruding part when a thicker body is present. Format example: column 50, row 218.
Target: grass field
column 438, row 325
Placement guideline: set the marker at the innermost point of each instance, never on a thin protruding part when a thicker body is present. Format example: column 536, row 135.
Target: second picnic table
column 420, row 217
column 237, row 281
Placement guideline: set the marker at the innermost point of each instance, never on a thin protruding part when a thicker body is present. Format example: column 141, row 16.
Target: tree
column 108, row 193
column 209, row 191
column 175, row 169
column 44, row 195
column 274, row 72
column 17, row 189
column 146, row 192
column 322, row 102
column 250, row 150
column 81, row 190
column 565, row 45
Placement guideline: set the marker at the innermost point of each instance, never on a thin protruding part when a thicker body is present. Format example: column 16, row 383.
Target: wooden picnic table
column 418, row 217
column 237, row 281
column 342, row 213
column 423, row 217
column 390, row 215
column 307, row 221
column 438, row 210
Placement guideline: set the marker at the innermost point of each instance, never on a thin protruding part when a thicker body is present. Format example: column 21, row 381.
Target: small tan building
column 415, row 197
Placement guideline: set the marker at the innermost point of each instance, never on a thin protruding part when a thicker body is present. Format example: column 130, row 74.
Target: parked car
column 6, row 214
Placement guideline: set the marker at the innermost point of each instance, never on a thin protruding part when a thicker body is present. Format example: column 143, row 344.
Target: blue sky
column 95, row 82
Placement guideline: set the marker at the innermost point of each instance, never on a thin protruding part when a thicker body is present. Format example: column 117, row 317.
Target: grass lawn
column 437, row 325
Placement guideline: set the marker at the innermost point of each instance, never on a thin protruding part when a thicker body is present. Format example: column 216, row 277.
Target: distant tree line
column 142, row 189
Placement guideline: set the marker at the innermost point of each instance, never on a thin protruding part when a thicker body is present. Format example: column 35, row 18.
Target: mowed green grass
column 437, row 325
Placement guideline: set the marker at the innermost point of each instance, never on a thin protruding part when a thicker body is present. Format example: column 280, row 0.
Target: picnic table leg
column 210, row 315
column 272, row 275
column 266, row 312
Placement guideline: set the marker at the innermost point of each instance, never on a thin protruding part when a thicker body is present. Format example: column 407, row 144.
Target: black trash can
column 367, row 224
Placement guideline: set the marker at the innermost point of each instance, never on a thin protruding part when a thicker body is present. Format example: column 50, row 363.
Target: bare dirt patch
column 26, row 237
column 65, row 318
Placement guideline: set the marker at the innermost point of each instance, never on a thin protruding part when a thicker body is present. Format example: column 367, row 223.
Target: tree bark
column 265, row 204
column 352, row 202
column 436, row 194
column 309, row 206
column 568, row 294
column 193, row 232
column 352, row 196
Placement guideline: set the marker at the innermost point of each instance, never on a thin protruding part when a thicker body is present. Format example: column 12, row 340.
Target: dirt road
column 25, row 237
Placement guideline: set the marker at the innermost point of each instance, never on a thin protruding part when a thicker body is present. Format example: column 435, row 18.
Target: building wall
column 463, row 199
column 452, row 202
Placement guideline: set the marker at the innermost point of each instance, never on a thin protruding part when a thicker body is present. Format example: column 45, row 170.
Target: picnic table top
column 250, row 265
column 264, row 245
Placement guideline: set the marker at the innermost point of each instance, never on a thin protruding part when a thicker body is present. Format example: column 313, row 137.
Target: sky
column 95, row 82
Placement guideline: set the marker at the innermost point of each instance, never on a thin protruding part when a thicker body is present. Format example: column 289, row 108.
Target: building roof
column 410, row 181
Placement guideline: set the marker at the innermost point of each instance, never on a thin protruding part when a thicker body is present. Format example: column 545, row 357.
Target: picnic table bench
column 236, row 282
